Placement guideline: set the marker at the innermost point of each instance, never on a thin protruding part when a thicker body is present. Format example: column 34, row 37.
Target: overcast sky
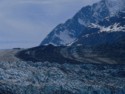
column 25, row 23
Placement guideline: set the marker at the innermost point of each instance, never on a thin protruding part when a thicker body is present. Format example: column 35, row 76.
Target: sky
column 25, row 23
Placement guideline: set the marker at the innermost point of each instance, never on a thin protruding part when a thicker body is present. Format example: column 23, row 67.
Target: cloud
column 26, row 22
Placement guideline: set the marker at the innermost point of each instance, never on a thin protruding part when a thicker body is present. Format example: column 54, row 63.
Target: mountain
column 93, row 62
column 110, row 30
column 70, row 31
column 105, row 42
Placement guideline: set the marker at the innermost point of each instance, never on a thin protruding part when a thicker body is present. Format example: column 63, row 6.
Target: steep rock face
column 110, row 30
column 66, row 33
column 104, row 44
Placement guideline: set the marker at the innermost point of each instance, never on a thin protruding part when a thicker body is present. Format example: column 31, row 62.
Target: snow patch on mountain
column 82, row 22
column 87, row 35
column 72, row 42
column 112, row 28
column 65, row 37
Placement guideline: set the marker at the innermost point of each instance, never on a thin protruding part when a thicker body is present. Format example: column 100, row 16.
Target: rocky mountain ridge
column 70, row 31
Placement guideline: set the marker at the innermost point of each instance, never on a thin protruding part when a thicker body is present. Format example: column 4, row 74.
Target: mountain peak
column 114, row 6
column 69, row 31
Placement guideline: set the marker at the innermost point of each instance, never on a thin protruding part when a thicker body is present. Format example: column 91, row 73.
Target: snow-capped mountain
column 68, row 32
column 106, row 40
column 111, row 29
column 103, row 42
